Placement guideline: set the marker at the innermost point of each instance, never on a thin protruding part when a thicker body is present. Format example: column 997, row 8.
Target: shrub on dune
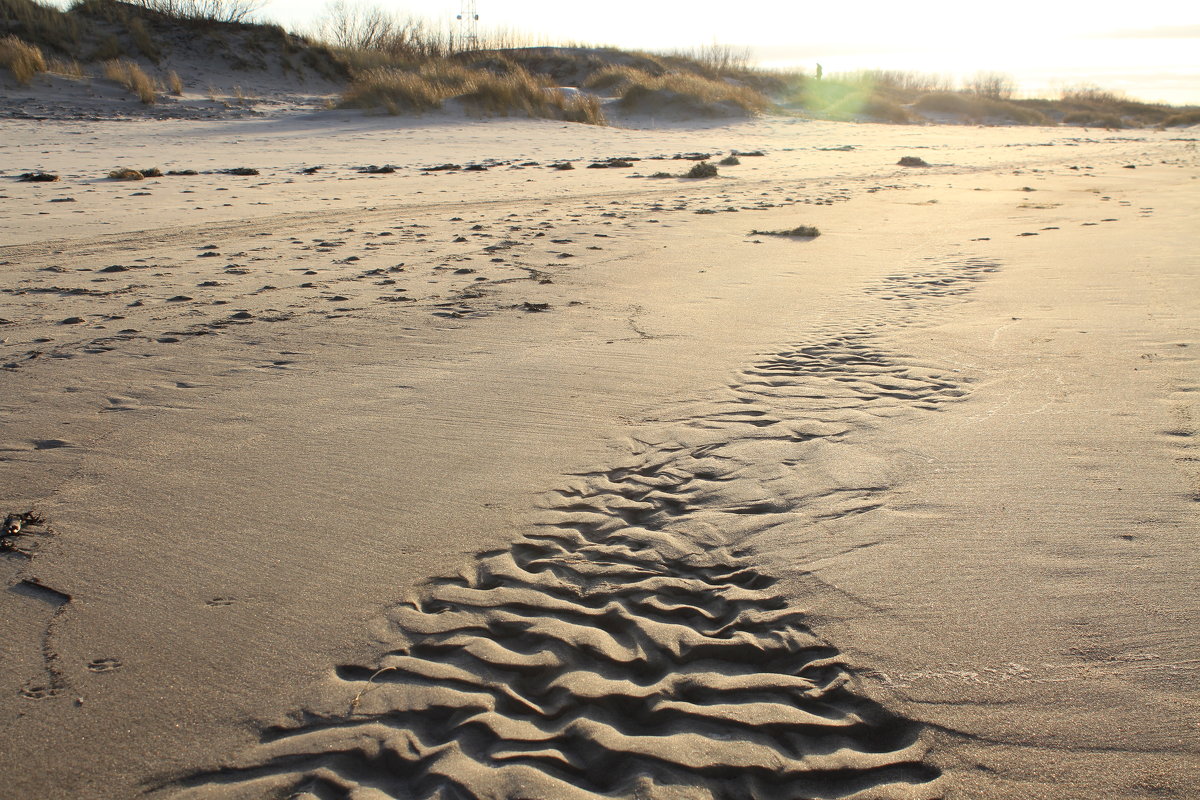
column 22, row 59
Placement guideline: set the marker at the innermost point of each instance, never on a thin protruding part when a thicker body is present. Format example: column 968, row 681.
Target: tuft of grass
column 126, row 174
column 175, row 83
column 801, row 231
column 701, row 169
column 133, row 78
column 61, row 66
column 22, row 59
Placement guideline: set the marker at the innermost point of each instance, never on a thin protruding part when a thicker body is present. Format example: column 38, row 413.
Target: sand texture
column 477, row 477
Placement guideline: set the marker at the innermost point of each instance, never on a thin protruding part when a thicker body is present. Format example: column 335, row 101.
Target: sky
column 1149, row 49
column 637, row 23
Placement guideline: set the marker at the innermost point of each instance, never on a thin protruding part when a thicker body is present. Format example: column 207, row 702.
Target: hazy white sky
column 1147, row 48
column 863, row 23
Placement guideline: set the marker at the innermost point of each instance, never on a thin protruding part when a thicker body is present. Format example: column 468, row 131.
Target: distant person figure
column 820, row 72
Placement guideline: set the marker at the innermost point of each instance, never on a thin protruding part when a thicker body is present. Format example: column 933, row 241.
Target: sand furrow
column 630, row 640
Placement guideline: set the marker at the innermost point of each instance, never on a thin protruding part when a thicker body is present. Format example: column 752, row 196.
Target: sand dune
column 524, row 482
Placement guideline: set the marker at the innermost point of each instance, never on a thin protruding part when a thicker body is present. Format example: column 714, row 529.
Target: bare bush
column 370, row 36
column 721, row 59
column 357, row 27
column 1092, row 95
column 215, row 10
column 903, row 81
column 992, row 85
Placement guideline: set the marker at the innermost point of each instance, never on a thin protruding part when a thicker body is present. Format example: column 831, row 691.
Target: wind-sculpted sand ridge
column 629, row 645
column 583, row 663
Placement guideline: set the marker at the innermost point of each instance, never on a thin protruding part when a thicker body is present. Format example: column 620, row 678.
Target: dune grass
column 1181, row 119
column 429, row 85
column 640, row 91
column 978, row 108
column 22, row 59
column 132, row 77
column 394, row 91
column 69, row 68
column 44, row 25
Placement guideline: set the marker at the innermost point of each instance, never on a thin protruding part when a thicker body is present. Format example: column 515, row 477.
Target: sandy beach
column 481, row 477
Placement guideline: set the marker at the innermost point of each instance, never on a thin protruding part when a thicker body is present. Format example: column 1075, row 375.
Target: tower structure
column 468, row 25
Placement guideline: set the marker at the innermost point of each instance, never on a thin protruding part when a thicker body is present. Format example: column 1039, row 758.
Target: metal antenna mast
column 468, row 25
